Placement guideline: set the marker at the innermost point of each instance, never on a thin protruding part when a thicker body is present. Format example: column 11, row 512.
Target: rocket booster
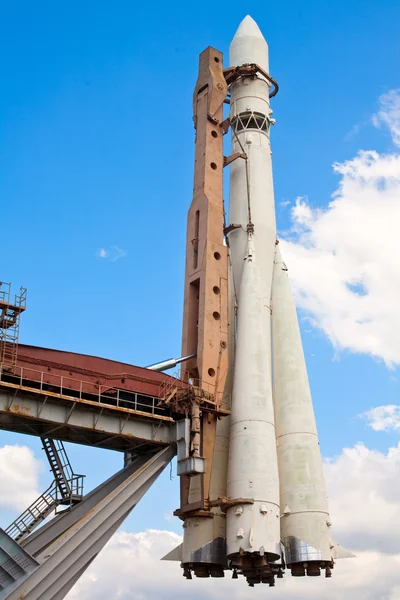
column 305, row 519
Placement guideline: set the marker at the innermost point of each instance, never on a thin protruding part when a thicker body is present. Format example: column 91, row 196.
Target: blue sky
column 96, row 152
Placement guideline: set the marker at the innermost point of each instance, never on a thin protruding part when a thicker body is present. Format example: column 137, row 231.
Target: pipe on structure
column 170, row 363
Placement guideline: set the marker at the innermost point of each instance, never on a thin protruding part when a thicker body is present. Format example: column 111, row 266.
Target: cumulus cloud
column 364, row 491
column 129, row 568
column 343, row 259
column 19, row 477
column 383, row 418
column 112, row 253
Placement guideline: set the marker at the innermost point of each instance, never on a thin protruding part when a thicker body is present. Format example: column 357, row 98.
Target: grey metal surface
column 63, row 591
column 68, row 556
column 15, row 564
column 38, row 541
column 298, row 551
column 212, row 553
column 83, row 423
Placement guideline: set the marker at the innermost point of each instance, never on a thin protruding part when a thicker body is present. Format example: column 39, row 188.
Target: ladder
column 9, row 323
column 59, row 465
column 66, row 489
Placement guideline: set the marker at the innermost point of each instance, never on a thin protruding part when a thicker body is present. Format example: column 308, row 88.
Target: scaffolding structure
column 10, row 313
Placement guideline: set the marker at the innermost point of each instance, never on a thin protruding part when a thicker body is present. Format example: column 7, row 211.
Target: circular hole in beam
column 217, row 256
column 216, row 315
column 213, row 166
column 216, row 289
column 211, row 372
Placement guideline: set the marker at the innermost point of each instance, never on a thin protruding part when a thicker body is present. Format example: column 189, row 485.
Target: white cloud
column 383, row 418
column 389, row 114
column 112, row 253
column 364, row 490
column 302, row 214
column 343, row 260
column 129, row 568
column 19, row 477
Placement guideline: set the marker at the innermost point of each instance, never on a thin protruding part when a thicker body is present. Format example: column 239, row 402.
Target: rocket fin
column 175, row 554
column 341, row 552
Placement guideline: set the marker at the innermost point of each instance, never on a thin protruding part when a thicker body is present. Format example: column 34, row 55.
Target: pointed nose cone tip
column 248, row 27
column 249, row 45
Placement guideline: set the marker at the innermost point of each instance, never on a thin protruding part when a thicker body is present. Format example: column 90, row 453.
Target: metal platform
column 86, row 400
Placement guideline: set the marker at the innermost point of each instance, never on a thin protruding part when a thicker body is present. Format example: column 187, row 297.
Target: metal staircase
column 35, row 514
column 66, row 489
column 59, row 465
column 9, row 323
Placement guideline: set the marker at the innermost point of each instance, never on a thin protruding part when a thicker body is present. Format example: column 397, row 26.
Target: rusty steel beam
column 205, row 321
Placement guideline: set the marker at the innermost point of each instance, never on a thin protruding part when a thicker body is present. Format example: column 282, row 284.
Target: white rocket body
column 305, row 521
column 249, row 96
column 253, row 484
column 252, row 526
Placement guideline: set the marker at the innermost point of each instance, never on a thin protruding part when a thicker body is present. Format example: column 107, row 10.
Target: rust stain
column 19, row 409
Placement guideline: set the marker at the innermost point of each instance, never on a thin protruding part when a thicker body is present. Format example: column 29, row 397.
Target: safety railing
column 79, row 390
column 5, row 290
column 37, row 512
column 181, row 380
column 34, row 514
column 75, row 484
column 20, row 299
column 65, row 464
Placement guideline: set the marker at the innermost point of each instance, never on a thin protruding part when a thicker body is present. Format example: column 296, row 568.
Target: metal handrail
column 37, row 511
column 42, row 507
column 183, row 378
column 79, row 390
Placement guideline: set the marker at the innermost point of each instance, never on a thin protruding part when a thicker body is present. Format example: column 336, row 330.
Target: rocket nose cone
column 248, row 45
column 248, row 27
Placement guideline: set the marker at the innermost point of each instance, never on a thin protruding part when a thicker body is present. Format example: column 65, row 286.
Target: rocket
column 266, row 505
column 253, row 522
